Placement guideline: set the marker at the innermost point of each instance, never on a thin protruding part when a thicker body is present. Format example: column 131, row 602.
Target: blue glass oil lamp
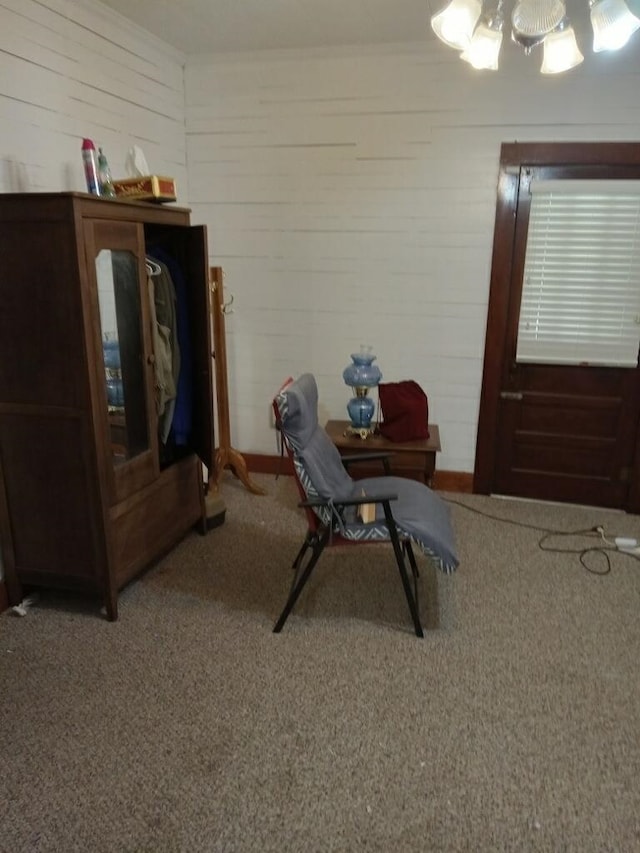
column 115, row 388
column 361, row 375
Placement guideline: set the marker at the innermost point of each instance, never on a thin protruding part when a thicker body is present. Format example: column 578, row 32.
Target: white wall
column 72, row 68
column 350, row 198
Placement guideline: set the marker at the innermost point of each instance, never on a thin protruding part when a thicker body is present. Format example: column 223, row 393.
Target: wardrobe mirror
column 122, row 350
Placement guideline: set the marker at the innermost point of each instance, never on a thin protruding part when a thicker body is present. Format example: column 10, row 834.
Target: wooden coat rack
column 225, row 456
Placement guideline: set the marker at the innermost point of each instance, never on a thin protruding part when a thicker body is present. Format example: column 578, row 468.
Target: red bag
column 405, row 411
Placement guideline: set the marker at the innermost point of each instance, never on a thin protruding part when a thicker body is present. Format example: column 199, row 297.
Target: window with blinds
column 581, row 289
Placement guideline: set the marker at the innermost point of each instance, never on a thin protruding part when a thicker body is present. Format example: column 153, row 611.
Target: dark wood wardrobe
column 92, row 490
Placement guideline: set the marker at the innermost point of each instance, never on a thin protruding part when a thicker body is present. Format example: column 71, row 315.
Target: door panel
column 551, row 432
column 188, row 246
column 198, row 259
column 123, row 357
column 568, row 433
column 541, row 413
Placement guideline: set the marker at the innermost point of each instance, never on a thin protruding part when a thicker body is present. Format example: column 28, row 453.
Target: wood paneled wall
column 350, row 198
column 73, row 68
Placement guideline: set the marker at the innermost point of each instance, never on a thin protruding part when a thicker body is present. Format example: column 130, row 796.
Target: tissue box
column 146, row 188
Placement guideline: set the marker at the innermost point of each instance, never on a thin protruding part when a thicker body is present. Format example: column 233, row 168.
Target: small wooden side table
column 414, row 459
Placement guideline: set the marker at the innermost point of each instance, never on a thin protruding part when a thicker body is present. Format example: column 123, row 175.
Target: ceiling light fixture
column 475, row 28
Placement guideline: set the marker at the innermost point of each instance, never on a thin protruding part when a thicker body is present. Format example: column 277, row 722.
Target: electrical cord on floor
column 603, row 550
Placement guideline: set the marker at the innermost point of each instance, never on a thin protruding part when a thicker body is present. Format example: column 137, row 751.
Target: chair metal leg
column 397, row 548
column 317, row 544
column 299, row 560
column 308, row 543
column 408, row 550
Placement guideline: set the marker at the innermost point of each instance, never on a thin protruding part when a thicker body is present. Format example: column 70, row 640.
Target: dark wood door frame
column 513, row 157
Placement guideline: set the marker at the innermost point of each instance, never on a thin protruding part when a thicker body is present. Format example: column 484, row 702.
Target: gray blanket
column 418, row 512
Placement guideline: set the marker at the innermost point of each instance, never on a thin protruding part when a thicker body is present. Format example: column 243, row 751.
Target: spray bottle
column 104, row 176
column 90, row 166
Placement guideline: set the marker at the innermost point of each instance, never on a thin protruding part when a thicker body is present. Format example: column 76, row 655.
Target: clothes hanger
column 153, row 268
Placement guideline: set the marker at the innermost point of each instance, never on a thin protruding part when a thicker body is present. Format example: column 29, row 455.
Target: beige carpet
column 188, row 726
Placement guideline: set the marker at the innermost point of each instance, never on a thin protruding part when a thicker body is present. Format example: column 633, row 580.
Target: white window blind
column 581, row 289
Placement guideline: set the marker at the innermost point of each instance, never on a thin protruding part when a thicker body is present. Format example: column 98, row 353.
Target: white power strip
column 627, row 545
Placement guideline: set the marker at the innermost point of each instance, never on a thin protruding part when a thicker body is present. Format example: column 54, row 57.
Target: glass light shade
column 362, row 374
column 527, row 42
column 613, row 24
column 455, row 23
column 484, row 49
column 537, row 17
column 561, row 52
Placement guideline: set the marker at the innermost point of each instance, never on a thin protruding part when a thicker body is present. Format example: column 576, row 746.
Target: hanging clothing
column 162, row 302
column 182, row 417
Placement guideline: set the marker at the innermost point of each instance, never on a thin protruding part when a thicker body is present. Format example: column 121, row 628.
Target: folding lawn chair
column 342, row 511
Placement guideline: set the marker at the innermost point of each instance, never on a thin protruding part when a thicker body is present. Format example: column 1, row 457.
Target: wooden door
column 125, row 414
column 550, row 431
column 196, row 259
column 188, row 246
